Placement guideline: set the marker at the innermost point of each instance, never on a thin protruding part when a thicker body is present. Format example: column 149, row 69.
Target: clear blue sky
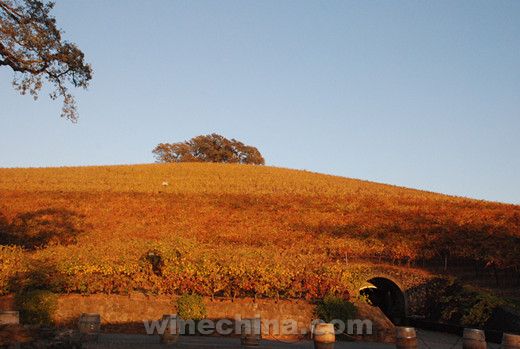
column 424, row 94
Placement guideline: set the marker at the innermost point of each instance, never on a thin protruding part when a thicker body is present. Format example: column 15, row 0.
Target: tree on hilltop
column 32, row 46
column 208, row 148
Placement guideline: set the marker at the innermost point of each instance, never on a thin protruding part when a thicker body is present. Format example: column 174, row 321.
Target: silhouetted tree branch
column 32, row 46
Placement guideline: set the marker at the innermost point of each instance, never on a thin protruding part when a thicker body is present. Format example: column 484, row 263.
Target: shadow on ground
column 37, row 229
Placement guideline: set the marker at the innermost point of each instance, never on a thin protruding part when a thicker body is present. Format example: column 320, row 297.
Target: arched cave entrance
column 385, row 294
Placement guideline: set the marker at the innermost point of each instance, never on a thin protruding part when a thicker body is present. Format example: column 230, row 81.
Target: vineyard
column 230, row 230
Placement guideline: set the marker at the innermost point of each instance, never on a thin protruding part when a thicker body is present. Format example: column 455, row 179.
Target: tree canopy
column 32, row 46
column 208, row 148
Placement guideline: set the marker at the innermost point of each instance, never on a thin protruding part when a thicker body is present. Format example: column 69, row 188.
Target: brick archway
column 388, row 295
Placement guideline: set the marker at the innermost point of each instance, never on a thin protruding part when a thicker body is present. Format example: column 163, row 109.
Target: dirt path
column 427, row 340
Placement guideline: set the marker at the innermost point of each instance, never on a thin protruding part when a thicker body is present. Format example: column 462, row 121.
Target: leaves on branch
column 208, row 148
column 32, row 46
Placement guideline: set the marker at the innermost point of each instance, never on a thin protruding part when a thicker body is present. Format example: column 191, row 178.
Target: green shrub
column 191, row 307
column 331, row 307
column 37, row 307
column 467, row 306
column 481, row 310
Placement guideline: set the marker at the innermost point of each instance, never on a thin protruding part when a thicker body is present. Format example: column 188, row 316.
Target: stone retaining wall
column 118, row 311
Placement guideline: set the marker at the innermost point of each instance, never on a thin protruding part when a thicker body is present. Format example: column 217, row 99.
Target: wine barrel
column 510, row 341
column 473, row 339
column 9, row 318
column 171, row 332
column 324, row 336
column 250, row 332
column 406, row 338
column 89, row 326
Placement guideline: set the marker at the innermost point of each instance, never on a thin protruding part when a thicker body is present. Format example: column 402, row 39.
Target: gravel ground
column 427, row 340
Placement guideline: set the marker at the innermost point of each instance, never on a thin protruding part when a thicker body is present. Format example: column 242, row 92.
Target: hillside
column 230, row 229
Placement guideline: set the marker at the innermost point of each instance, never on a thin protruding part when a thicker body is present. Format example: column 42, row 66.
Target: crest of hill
column 205, row 178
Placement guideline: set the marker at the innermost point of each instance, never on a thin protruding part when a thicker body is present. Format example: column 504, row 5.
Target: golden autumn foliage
column 231, row 230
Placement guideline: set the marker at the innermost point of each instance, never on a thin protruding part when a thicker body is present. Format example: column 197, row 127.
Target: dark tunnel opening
column 385, row 294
